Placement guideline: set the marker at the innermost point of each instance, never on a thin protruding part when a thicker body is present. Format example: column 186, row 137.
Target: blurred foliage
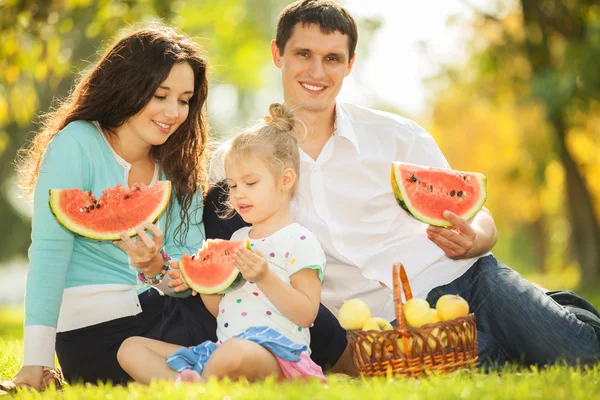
column 525, row 111
column 44, row 45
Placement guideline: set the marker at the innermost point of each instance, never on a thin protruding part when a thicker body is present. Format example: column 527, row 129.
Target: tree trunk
column 585, row 227
column 540, row 247
column 585, row 230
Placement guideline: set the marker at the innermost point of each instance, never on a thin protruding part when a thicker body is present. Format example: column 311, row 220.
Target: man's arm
column 465, row 239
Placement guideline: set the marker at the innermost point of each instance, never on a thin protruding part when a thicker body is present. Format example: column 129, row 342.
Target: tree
column 542, row 56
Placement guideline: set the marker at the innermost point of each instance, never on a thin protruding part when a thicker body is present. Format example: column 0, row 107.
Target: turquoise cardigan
column 64, row 264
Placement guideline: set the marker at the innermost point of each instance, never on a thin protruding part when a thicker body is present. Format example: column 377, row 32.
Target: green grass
column 558, row 382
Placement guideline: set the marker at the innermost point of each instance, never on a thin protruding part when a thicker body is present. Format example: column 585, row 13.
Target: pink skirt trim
column 305, row 368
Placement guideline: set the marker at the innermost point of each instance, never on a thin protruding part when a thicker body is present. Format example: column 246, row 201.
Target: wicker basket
column 434, row 348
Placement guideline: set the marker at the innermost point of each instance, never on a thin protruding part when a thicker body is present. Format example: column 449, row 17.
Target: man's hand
column 456, row 240
column 465, row 239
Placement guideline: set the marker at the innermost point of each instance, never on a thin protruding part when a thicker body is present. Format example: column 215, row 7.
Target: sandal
column 7, row 387
column 54, row 377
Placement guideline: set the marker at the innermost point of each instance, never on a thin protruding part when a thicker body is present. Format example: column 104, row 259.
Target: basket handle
column 400, row 279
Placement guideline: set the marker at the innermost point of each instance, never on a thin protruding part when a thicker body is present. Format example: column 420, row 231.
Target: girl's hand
column 142, row 252
column 252, row 264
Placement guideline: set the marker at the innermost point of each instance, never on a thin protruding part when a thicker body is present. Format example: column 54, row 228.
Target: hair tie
column 268, row 119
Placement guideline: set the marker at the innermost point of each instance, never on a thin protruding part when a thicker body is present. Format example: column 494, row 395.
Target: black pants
column 90, row 354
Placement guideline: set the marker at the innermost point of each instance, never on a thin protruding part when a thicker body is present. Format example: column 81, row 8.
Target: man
column 346, row 200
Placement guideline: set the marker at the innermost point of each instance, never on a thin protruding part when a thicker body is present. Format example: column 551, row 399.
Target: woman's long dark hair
column 119, row 86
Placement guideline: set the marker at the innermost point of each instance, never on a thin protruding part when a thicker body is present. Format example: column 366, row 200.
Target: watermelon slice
column 426, row 192
column 117, row 210
column 213, row 269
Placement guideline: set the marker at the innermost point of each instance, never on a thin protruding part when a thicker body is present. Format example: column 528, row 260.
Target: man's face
column 313, row 67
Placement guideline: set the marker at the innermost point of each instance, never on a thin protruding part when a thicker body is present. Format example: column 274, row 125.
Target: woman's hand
column 178, row 283
column 252, row 264
column 30, row 376
column 144, row 251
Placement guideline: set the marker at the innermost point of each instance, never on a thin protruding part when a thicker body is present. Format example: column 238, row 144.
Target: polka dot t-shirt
column 288, row 251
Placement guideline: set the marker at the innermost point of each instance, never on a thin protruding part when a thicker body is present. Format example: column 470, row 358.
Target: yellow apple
column 451, row 306
column 400, row 344
column 377, row 324
column 467, row 335
column 411, row 340
column 367, row 346
column 353, row 314
column 436, row 317
column 417, row 313
column 435, row 332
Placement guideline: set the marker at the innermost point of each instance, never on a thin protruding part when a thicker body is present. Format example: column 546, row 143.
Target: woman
column 137, row 116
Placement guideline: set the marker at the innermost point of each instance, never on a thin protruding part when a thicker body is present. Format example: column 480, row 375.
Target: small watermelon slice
column 117, row 210
column 213, row 269
column 426, row 192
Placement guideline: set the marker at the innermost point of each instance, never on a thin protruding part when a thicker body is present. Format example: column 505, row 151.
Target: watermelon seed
column 464, row 178
column 81, row 210
column 138, row 188
column 459, row 194
column 431, row 188
column 92, row 207
column 413, row 178
column 127, row 196
column 98, row 205
column 452, row 193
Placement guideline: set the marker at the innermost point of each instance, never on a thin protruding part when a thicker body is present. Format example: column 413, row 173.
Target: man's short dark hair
column 328, row 15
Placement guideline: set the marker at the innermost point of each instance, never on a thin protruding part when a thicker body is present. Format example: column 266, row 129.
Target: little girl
column 262, row 328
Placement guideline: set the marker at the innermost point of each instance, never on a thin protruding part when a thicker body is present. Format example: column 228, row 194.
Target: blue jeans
column 518, row 322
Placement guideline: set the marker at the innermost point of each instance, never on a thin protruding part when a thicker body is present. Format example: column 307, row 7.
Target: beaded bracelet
column 155, row 279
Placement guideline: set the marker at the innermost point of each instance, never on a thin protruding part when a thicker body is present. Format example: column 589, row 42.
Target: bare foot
column 189, row 376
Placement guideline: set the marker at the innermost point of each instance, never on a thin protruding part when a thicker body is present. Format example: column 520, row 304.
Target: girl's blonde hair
column 275, row 142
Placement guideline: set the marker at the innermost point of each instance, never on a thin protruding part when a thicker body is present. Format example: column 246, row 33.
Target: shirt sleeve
column 240, row 234
column 424, row 150
column 64, row 165
column 304, row 252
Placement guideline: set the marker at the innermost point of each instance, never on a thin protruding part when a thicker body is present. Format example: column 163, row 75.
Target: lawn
column 551, row 383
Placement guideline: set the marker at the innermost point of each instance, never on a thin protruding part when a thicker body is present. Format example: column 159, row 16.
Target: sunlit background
column 506, row 91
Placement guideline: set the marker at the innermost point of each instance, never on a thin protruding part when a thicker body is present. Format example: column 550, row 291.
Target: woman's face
column 166, row 111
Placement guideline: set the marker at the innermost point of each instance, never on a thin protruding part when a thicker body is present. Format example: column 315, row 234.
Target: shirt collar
column 343, row 126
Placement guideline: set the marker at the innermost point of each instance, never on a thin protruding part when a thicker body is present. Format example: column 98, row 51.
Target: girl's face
column 166, row 111
column 254, row 192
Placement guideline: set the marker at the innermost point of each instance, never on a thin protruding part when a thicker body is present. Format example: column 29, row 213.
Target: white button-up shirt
column 345, row 198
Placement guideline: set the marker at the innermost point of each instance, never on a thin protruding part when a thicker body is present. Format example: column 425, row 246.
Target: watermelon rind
column 233, row 282
column 68, row 223
column 403, row 199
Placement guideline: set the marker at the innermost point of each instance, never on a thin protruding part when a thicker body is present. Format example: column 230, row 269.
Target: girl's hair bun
column 282, row 118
